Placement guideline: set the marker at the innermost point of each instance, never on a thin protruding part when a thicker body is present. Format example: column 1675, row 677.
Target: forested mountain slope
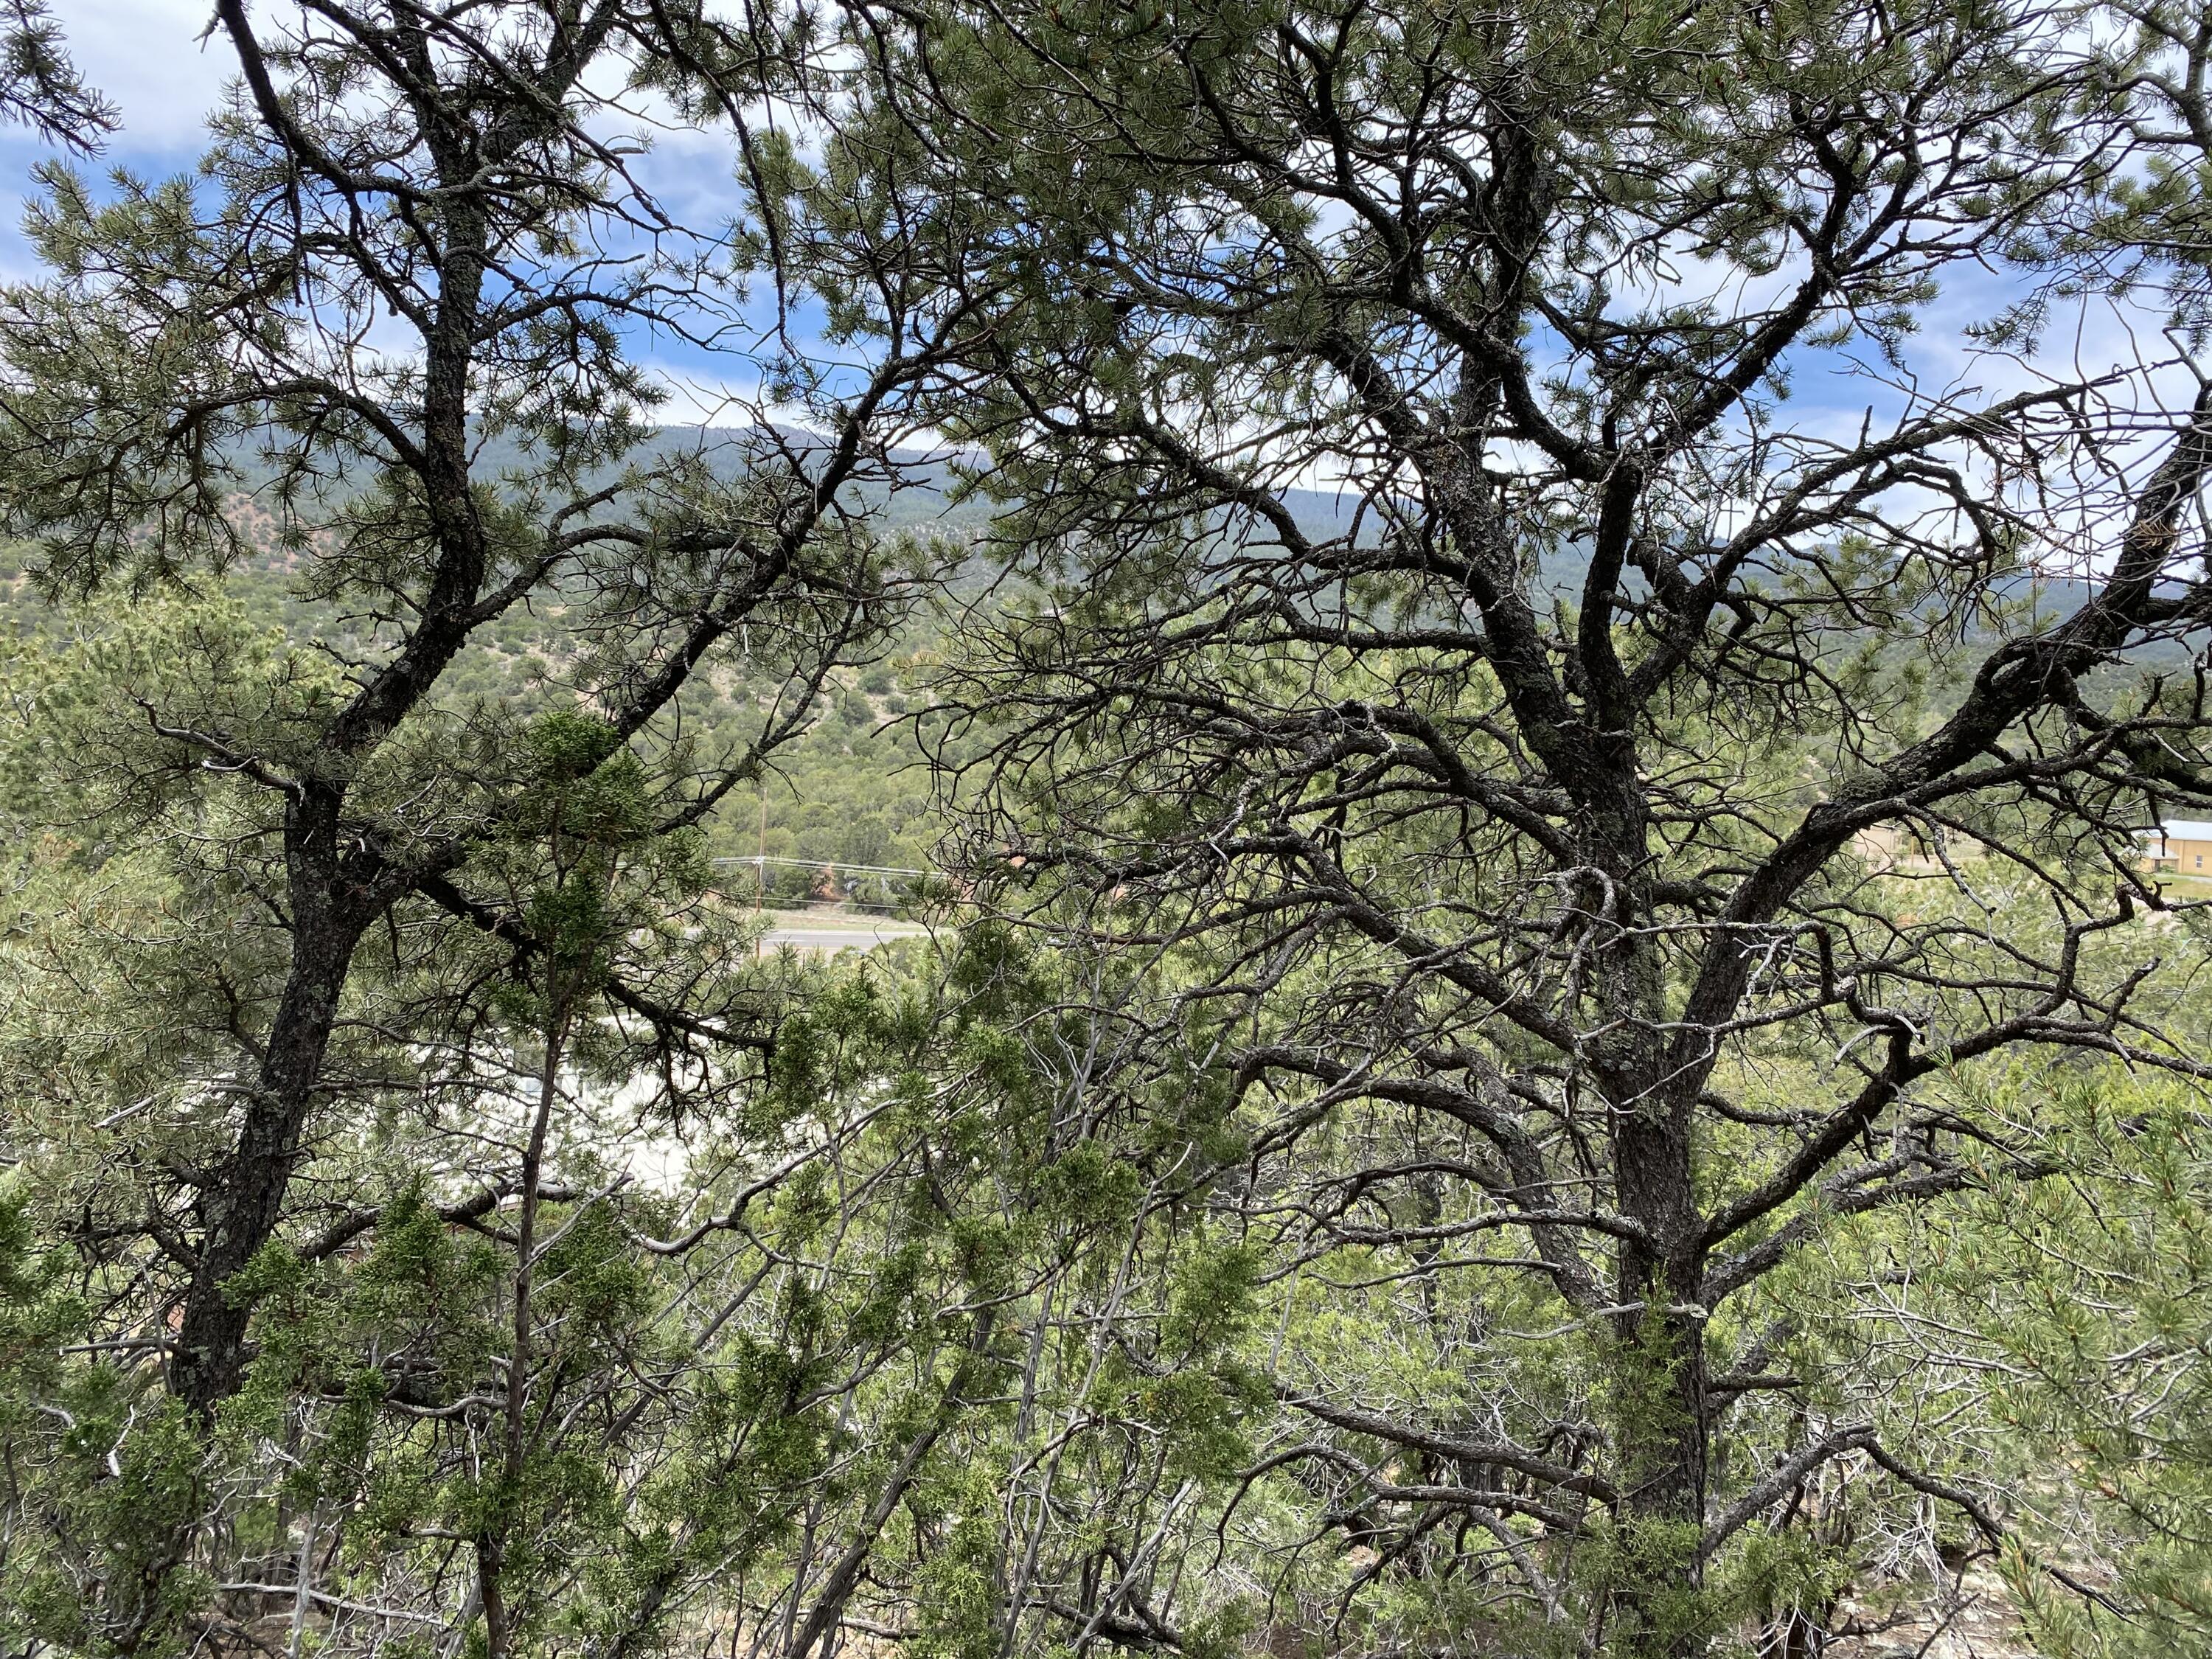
column 1426, row 1124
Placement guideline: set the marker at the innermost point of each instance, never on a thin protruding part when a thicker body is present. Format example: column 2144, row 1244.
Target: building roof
column 2185, row 829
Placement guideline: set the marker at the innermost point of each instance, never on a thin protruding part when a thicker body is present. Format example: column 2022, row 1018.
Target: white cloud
column 147, row 55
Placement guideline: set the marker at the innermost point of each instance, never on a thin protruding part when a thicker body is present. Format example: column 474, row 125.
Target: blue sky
column 148, row 55
column 144, row 55
column 149, row 59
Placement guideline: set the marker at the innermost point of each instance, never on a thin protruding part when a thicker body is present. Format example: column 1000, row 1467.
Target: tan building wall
column 2181, row 855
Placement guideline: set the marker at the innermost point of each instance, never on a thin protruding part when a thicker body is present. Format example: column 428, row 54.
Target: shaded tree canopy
column 1521, row 872
column 381, row 336
column 1503, row 840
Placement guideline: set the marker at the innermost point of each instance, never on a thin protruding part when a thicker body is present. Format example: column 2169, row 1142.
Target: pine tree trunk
column 245, row 1201
column 1660, row 1423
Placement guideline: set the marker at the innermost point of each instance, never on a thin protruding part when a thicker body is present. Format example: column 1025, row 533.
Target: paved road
column 802, row 935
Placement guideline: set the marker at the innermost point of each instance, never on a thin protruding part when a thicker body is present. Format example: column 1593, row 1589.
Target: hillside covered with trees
column 1528, row 651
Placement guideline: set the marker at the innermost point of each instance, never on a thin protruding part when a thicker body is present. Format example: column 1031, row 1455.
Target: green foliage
column 958, row 1589
column 108, row 1468
column 2102, row 1366
column 1309, row 1198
